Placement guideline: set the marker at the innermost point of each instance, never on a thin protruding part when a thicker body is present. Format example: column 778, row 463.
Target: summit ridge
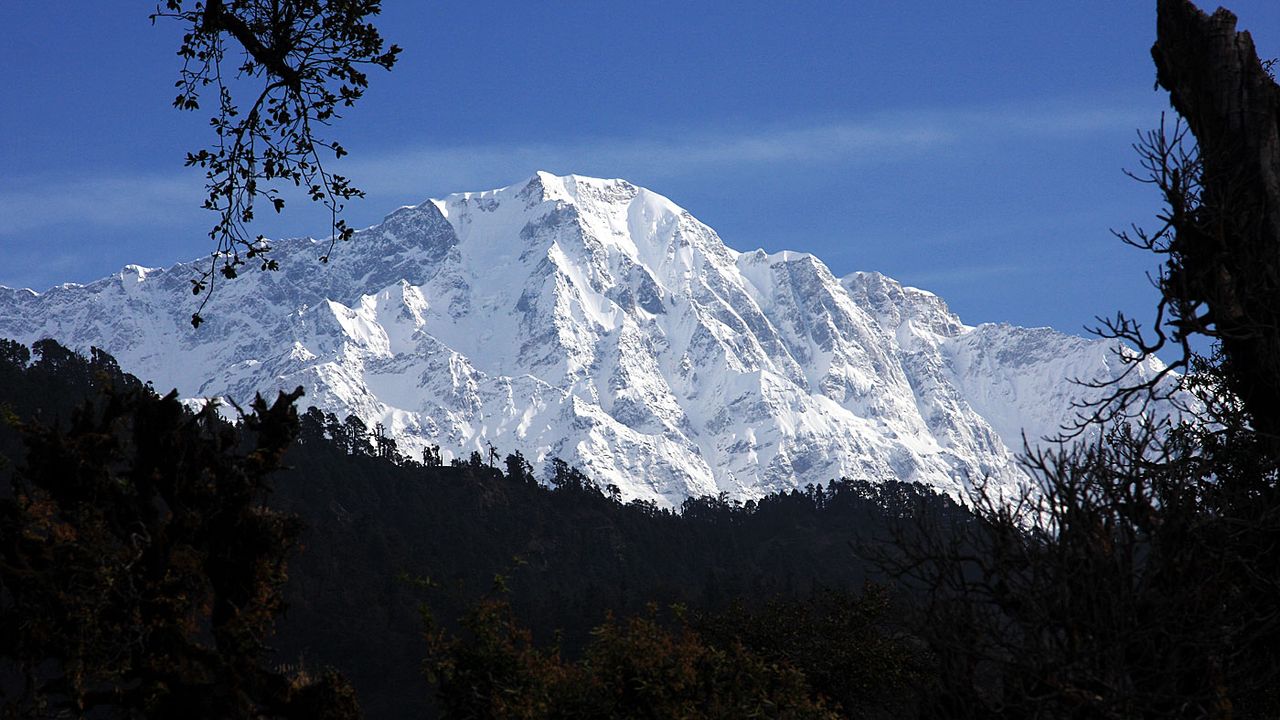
column 597, row 321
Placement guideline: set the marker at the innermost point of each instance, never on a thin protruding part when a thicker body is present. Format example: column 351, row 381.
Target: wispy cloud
column 882, row 138
column 1050, row 119
column 116, row 201
column 451, row 168
column 966, row 274
column 110, row 201
column 119, row 201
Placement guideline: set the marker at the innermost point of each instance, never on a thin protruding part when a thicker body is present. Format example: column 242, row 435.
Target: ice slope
column 597, row 321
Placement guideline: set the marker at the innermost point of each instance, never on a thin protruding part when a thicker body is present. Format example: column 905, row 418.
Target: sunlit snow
column 600, row 322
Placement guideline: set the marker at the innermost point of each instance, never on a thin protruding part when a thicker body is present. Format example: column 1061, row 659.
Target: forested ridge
column 385, row 538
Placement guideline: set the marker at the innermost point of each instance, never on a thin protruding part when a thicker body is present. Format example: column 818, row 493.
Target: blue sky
column 973, row 149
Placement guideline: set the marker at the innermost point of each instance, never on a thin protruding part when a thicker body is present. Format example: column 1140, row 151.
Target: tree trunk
column 1229, row 246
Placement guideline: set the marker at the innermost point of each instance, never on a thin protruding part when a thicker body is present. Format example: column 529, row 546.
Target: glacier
column 599, row 322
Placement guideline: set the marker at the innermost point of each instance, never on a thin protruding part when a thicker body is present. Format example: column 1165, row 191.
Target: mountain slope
column 597, row 321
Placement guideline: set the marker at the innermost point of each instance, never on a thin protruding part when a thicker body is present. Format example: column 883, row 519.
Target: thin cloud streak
column 454, row 168
column 104, row 202
column 117, row 201
column 1052, row 120
column 886, row 138
column 960, row 274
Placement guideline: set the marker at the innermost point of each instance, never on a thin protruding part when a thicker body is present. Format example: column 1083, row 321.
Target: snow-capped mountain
column 599, row 322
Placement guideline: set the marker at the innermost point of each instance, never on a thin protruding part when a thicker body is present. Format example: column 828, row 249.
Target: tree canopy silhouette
column 1138, row 577
column 141, row 572
column 1220, row 228
column 299, row 62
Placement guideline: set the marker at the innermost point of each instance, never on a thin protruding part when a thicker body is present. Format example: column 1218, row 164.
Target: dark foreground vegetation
column 524, row 600
column 139, row 571
column 554, row 562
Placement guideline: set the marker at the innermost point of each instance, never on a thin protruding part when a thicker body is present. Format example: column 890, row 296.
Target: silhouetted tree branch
column 307, row 58
column 1218, row 172
column 1138, row 576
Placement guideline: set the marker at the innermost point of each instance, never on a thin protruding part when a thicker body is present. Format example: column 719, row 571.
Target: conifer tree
column 140, row 570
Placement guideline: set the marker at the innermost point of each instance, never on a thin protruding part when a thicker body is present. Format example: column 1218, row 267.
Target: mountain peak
column 579, row 220
column 597, row 321
column 544, row 186
column 580, row 189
